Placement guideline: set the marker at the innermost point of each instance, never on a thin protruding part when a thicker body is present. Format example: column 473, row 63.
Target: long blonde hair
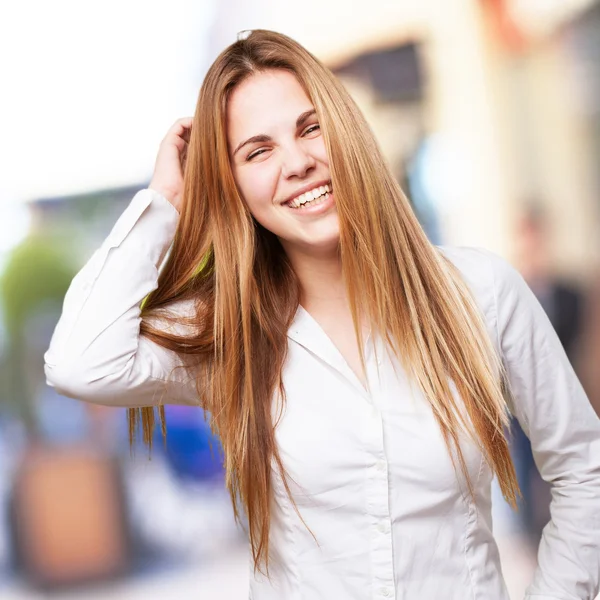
column 245, row 292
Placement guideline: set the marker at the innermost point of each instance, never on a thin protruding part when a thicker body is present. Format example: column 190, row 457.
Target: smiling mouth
column 311, row 198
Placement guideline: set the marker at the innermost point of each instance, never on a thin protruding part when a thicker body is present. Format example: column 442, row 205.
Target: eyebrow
column 266, row 138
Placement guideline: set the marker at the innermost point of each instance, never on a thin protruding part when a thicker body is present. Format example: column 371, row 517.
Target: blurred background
column 489, row 113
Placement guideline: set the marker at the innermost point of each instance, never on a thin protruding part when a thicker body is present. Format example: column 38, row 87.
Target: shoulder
column 484, row 271
column 497, row 287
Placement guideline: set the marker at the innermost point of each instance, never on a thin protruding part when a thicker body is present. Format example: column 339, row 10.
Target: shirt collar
column 305, row 331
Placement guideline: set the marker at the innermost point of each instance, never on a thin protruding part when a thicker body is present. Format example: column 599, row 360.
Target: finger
column 185, row 122
column 185, row 135
column 179, row 143
column 180, row 126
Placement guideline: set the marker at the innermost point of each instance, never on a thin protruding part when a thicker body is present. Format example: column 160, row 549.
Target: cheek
column 257, row 185
column 319, row 151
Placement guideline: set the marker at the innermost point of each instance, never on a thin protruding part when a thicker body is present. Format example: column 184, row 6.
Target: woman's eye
column 255, row 153
column 312, row 128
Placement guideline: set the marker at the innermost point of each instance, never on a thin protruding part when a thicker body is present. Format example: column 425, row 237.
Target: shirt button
column 386, row 592
column 382, row 528
column 380, row 465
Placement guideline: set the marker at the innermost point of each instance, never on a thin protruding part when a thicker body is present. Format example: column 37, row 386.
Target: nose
column 297, row 162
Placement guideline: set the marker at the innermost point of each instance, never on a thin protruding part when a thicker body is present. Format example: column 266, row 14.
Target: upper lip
column 306, row 188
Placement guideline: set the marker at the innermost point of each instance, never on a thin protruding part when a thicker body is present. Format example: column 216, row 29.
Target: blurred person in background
column 563, row 302
column 590, row 343
column 352, row 370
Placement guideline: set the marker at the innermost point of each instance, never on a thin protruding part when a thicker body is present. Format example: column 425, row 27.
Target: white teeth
column 313, row 202
column 321, row 192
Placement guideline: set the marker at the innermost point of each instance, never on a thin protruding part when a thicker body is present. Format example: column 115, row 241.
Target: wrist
column 167, row 194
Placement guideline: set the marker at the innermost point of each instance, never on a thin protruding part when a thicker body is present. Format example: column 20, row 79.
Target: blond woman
column 360, row 379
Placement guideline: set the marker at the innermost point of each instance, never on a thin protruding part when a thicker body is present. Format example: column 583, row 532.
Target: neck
column 320, row 277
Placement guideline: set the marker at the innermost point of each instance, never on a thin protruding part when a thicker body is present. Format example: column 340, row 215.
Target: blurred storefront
column 544, row 52
column 485, row 108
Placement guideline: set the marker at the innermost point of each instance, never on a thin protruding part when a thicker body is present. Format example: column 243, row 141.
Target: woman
column 358, row 377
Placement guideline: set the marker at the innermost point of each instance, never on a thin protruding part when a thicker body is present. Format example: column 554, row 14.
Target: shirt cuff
column 147, row 225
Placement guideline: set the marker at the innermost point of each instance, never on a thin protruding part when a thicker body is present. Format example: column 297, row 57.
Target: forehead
column 265, row 102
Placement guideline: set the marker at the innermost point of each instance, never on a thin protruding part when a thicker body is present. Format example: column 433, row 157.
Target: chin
column 328, row 236
column 322, row 236
column 322, row 244
column 313, row 245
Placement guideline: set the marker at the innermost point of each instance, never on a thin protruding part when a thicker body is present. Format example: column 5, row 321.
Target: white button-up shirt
column 369, row 469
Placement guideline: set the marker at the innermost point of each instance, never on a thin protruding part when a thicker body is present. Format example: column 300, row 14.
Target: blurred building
column 479, row 105
column 88, row 216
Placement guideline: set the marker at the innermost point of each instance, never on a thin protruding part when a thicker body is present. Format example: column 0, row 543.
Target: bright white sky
column 90, row 88
column 88, row 91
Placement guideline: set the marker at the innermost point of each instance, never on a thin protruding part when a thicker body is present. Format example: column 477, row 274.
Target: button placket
column 379, row 509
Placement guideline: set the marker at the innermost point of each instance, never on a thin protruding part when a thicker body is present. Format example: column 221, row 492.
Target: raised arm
column 564, row 430
column 96, row 352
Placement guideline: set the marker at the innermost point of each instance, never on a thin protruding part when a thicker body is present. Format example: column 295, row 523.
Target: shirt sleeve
column 556, row 415
column 96, row 352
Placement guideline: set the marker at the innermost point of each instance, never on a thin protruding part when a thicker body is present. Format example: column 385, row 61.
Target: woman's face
column 279, row 161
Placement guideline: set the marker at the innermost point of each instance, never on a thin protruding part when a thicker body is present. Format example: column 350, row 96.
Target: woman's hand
column 167, row 179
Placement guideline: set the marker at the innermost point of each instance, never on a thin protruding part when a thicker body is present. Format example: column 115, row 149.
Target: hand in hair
column 170, row 162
